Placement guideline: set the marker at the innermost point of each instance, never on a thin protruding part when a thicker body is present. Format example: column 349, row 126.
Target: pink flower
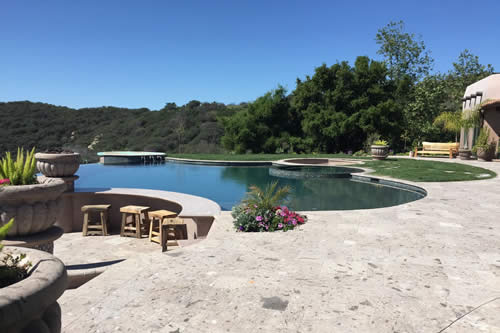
column 4, row 181
column 280, row 226
column 258, row 218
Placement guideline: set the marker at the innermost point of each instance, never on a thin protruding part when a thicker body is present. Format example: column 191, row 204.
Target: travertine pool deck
column 416, row 267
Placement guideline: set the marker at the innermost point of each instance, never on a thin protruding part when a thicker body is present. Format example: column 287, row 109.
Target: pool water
column 227, row 185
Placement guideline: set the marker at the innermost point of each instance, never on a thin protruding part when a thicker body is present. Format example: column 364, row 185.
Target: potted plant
column 464, row 154
column 33, row 201
column 57, row 163
column 483, row 149
column 380, row 149
column 260, row 212
column 31, row 281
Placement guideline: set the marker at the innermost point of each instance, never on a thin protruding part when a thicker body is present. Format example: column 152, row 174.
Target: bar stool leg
column 137, row 225
column 163, row 238
column 85, row 223
column 151, row 228
column 124, row 221
column 106, row 221
column 103, row 223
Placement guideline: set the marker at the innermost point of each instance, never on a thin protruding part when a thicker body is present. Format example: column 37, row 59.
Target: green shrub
column 22, row 171
column 360, row 153
column 482, row 141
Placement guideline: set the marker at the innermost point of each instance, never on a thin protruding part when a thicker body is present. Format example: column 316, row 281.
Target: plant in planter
column 483, row 149
column 380, row 149
column 28, row 294
column 12, row 268
column 259, row 211
column 32, row 201
column 58, row 163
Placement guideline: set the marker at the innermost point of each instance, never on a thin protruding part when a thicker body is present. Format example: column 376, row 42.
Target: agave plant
column 21, row 171
column 267, row 198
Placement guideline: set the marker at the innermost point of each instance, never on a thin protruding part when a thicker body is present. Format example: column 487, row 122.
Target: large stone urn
column 379, row 152
column 486, row 154
column 57, row 164
column 34, row 207
column 464, row 154
column 30, row 305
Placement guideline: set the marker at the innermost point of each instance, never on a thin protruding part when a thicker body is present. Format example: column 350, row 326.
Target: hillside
column 189, row 128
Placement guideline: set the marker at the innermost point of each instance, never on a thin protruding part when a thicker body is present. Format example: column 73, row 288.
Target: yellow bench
column 438, row 148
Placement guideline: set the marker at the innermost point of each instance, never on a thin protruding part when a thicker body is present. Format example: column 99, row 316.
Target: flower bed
column 251, row 218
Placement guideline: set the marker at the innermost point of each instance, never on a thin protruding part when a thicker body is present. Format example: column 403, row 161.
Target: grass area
column 407, row 169
column 255, row 157
column 427, row 171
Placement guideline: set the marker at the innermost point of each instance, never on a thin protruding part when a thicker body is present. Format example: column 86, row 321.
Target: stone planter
column 34, row 207
column 380, row 152
column 31, row 305
column 464, row 154
column 485, row 154
column 57, row 165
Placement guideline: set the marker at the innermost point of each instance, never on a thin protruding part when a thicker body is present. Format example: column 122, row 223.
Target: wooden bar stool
column 169, row 231
column 157, row 217
column 138, row 226
column 95, row 227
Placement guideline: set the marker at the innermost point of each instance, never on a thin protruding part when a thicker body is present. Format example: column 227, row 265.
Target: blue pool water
column 228, row 185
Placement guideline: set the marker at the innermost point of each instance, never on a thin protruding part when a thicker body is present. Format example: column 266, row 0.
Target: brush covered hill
column 192, row 127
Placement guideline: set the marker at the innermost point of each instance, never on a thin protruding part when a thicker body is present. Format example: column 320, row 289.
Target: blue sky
column 146, row 53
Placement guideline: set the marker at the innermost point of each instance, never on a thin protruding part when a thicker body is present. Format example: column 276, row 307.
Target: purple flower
column 267, row 227
column 258, row 218
column 241, row 228
column 294, row 222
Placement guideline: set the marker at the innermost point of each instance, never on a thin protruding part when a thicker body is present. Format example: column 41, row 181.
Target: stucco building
column 486, row 91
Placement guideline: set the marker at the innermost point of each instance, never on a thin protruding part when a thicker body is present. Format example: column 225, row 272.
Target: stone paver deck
column 416, row 267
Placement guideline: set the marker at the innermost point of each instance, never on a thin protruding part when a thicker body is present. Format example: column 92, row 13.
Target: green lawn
column 407, row 169
column 427, row 171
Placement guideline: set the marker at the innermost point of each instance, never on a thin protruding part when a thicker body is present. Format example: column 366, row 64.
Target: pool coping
column 192, row 205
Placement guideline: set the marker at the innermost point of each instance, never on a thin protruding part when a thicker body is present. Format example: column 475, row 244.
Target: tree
column 262, row 126
column 341, row 105
column 404, row 53
column 468, row 70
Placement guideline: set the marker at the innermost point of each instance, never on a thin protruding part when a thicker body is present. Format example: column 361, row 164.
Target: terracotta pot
column 34, row 207
column 57, row 165
column 379, row 152
column 464, row 154
column 31, row 305
column 485, row 154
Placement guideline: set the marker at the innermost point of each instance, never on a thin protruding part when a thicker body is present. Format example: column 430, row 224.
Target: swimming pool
column 227, row 185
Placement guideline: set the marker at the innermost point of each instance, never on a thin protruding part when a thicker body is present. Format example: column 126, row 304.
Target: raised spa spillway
column 313, row 188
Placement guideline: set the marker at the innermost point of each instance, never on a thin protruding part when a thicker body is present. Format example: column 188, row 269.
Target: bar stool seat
column 137, row 226
column 169, row 229
column 95, row 227
column 157, row 217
